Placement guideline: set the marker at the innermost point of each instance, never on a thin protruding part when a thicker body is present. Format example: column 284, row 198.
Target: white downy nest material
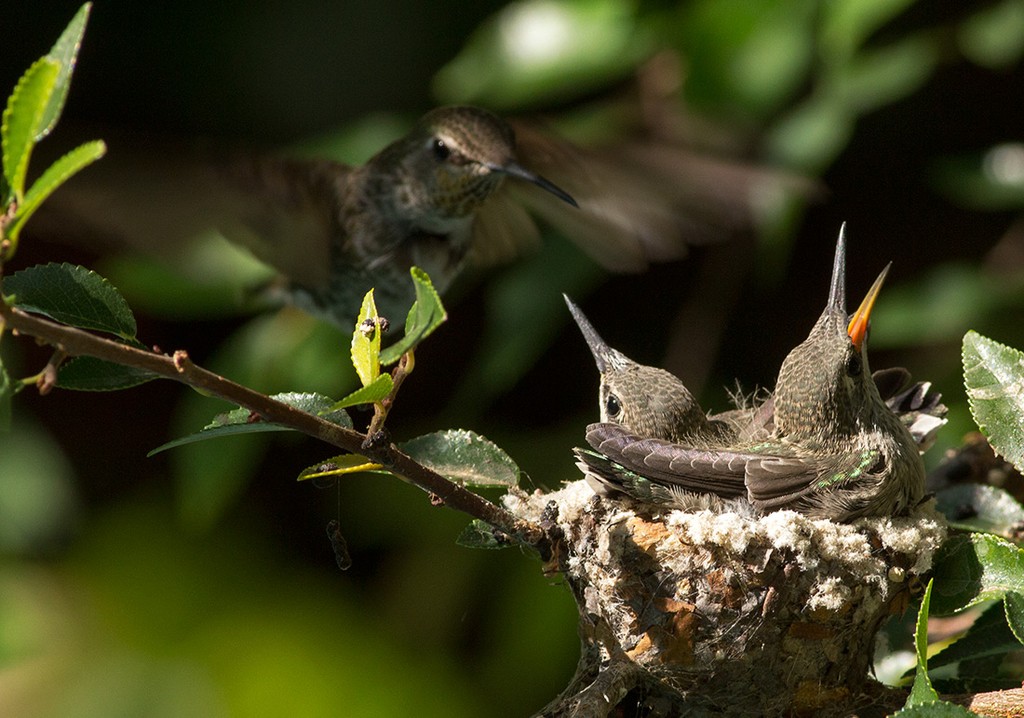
column 713, row 596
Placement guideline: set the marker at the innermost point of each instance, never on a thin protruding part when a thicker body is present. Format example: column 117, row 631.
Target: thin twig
column 47, row 378
column 76, row 342
column 383, row 407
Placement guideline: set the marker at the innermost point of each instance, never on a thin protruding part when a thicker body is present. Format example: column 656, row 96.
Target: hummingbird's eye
column 440, row 149
column 854, row 366
column 612, row 406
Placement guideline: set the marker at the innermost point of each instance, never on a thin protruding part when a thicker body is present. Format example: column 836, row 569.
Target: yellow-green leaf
column 22, row 119
column 366, row 342
column 372, row 392
column 64, row 52
column 53, row 177
column 339, row 466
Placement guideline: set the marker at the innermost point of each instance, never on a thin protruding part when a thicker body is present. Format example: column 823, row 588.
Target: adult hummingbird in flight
column 836, row 449
column 462, row 188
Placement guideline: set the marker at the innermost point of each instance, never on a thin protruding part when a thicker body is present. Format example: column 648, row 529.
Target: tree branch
column 76, row 342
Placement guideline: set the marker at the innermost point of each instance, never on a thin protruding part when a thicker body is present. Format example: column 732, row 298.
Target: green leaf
column 92, row 374
column 426, row 314
column 988, row 636
column 242, row 421
column 73, row 295
column 21, row 121
column 922, row 692
column 846, row 24
column 54, row 176
column 994, row 377
column 935, row 709
column 366, row 342
column 340, row 465
column 987, row 508
column 368, row 394
column 464, row 457
column 994, row 36
column 480, row 534
column 974, row 568
column 6, row 394
column 64, row 52
column 535, row 50
column 812, row 134
column 880, row 76
column 1013, row 605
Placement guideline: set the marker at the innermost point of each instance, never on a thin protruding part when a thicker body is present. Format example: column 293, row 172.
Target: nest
column 719, row 611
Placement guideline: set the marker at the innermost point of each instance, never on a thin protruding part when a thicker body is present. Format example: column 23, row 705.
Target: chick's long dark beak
column 837, row 289
column 515, row 170
column 597, row 346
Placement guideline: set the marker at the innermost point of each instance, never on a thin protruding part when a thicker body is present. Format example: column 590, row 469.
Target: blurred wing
column 285, row 211
column 641, row 202
column 154, row 197
column 502, row 228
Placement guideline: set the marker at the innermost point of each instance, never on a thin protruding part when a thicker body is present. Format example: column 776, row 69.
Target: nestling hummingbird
column 646, row 400
column 836, row 451
column 654, row 403
column 449, row 194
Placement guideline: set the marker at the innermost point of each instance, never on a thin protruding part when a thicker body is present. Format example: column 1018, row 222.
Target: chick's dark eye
column 612, row 406
column 854, row 366
column 440, row 149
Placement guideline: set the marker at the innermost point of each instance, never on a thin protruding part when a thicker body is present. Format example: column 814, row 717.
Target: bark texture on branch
column 717, row 613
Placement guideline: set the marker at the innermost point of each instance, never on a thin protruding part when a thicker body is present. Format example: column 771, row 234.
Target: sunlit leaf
column 22, row 119
column 464, row 457
column 994, row 36
column 73, row 295
column 340, row 466
column 974, row 568
column 242, row 421
column 92, row 374
column 368, row 394
column 1013, row 604
column 979, row 507
column 52, row 178
column 537, row 49
column 64, row 52
column 994, row 377
column 881, row 76
column 480, row 534
column 811, row 135
column 846, row 24
column 366, row 342
column 426, row 314
column 922, row 691
column 935, row 709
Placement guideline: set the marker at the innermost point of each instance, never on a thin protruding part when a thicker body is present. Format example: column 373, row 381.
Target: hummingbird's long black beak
column 600, row 350
column 837, row 290
column 858, row 327
column 516, row 170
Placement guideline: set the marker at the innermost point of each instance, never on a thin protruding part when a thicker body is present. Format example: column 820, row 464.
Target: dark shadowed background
column 201, row 581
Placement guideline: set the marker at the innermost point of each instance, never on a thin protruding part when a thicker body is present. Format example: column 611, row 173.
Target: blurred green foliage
column 202, row 583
